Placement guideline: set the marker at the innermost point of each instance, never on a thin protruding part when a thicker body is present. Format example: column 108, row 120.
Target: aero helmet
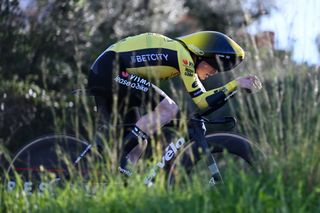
column 215, row 48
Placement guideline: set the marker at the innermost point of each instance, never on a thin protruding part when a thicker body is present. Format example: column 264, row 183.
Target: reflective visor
column 224, row 62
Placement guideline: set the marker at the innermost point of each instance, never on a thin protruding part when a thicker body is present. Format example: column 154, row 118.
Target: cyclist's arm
column 211, row 98
column 202, row 98
column 216, row 97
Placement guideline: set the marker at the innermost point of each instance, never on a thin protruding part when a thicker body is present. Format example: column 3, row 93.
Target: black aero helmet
column 215, row 48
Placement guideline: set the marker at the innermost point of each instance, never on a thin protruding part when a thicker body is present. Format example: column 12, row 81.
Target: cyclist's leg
column 162, row 114
column 111, row 87
column 163, row 110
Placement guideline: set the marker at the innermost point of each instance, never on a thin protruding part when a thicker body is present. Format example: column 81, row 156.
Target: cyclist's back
column 127, row 68
column 149, row 55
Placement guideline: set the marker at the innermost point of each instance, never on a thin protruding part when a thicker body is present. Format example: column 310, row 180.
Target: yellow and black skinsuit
column 134, row 61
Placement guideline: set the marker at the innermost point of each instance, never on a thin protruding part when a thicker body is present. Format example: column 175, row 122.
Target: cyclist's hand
column 250, row 83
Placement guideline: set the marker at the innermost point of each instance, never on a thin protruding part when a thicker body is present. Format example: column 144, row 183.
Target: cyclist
column 127, row 68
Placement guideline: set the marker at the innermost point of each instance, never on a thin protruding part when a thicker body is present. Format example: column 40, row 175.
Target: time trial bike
column 55, row 159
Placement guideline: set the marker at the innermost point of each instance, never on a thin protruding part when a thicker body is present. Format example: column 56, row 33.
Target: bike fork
column 212, row 165
column 214, row 170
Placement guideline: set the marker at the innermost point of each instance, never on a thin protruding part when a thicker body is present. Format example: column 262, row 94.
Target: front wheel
column 230, row 151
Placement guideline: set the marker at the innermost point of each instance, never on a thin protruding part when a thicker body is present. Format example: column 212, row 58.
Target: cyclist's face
column 204, row 70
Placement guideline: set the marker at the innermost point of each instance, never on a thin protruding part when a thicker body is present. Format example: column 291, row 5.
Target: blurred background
column 47, row 47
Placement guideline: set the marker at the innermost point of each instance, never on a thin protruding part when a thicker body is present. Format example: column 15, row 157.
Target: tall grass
column 284, row 120
column 242, row 193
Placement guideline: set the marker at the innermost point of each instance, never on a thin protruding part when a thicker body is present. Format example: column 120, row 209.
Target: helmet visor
column 223, row 63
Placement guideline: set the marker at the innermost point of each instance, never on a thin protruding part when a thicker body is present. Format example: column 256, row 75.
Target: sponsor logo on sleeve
column 189, row 72
column 194, row 84
column 196, row 93
column 185, row 62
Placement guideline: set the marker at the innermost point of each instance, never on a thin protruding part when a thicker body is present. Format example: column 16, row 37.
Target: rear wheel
column 231, row 151
column 46, row 161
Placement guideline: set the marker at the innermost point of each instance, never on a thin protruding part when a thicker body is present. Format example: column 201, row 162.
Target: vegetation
column 46, row 53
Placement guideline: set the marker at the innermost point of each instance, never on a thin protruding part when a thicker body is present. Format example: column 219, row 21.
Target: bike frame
column 197, row 133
